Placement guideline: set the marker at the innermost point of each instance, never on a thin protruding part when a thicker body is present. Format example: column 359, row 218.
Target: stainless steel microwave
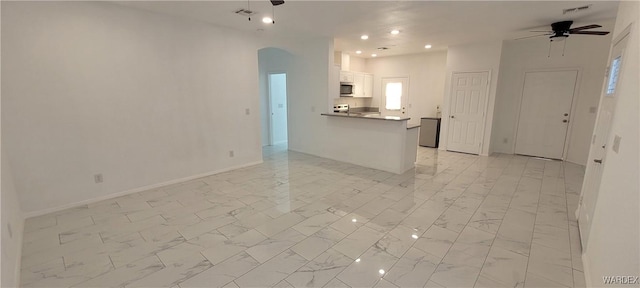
column 346, row 89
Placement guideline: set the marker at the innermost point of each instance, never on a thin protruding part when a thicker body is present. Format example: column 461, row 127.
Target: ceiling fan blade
column 590, row 32
column 532, row 36
column 592, row 26
column 547, row 31
column 277, row 2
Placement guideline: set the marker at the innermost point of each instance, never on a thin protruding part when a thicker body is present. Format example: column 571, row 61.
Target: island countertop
column 366, row 116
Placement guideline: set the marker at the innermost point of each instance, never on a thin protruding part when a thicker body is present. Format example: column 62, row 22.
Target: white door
column 395, row 96
column 544, row 113
column 601, row 142
column 278, row 107
column 467, row 113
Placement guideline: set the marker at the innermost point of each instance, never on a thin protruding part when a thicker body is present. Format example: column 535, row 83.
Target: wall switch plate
column 98, row 178
column 231, row 153
column 313, row 108
column 616, row 143
column 10, row 230
column 247, row 111
column 505, row 140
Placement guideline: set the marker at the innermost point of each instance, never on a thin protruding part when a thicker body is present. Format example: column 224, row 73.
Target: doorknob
column 453, row 116
column 599, row 161
column 566, row 114
column 565, row 121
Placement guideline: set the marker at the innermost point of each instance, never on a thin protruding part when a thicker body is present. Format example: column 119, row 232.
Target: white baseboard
column 134, row 190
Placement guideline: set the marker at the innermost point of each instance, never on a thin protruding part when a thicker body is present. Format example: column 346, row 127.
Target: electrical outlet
column 98, row 178
column 505, row 140
column 616, row 143
column 247, row 111
column 231, row 154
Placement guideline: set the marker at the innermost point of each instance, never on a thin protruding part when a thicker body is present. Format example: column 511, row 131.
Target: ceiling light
column 358, row 260
column 414, row 236
column 428, row 46
column 374, row 55
column 267, row 20
column 381, row 271
column 354, row 220
column 364, row 37
column 395, row 32
column 358, row 52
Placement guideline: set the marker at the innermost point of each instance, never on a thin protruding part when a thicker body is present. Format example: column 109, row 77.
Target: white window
column 613, row 76
column 393, row 95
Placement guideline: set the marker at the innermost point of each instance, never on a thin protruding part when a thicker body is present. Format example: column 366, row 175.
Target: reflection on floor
column 297, row 220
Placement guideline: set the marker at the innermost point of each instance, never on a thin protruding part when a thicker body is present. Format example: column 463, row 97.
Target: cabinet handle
column 599, row 161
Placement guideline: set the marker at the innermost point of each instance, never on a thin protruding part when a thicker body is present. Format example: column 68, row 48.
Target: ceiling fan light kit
column 248, row 12
column 560, row 31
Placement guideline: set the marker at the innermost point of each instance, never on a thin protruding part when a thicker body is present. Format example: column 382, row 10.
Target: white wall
column 12, row 227
column 140, row 97
column 613, row 241
column 426, row 72
column 586, row 53
column 270, row 60
column 357, row 64
column 472, row 58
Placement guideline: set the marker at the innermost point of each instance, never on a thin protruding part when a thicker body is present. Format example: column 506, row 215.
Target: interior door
column 544, row 113
column 466, row 117
column 600, row 143
column 278, row 107
column 395, row 98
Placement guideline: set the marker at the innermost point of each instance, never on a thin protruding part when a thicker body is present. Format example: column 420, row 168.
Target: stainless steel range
column 341, row 108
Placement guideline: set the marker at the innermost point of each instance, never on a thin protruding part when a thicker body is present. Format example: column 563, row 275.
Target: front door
column 395, row 93
column 601, row 142
column 544, row 113
column 466, row 117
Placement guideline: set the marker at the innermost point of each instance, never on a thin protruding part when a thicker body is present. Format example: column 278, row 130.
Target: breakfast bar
column 381, row 142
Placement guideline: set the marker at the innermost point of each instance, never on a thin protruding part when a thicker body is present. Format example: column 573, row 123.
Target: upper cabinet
column 363, row 85
column 346, row 76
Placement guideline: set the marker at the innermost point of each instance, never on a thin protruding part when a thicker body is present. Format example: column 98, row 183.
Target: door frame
column 484, row 111
column 269, row 104
column 572, row 111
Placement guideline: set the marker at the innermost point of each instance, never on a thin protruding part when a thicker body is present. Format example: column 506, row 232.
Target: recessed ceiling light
column 358, row 260
column 374, row 55
column 358, row 52
column 427, row 46
column 364, row 37
column 381, row 271
column 267, row 20
column 395, row 32
column 414, row 236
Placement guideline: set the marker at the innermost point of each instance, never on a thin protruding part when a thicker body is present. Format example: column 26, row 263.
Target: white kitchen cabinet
column 358, row 84
column 368, row 85
column 363, row 83
column 346, row 76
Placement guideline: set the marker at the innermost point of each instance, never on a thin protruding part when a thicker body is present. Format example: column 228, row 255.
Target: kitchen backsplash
column 353, row 102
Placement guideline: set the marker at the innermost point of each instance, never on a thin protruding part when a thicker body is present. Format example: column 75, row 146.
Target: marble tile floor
column 297, row 220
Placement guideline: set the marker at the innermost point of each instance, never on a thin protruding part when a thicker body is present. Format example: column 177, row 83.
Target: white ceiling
column 439, row 23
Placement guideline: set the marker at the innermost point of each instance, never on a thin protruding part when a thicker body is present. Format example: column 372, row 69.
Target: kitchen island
column 380, row 142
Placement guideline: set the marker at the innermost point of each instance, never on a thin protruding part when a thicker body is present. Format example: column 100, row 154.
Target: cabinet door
column 358, row 83
column 368, row 85
column 346, row 76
